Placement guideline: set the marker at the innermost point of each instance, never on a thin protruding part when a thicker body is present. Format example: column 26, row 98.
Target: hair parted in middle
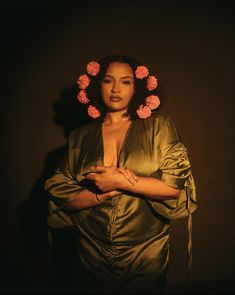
column 145, row 97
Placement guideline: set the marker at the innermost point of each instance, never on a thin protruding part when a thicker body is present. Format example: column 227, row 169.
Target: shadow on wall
column 38, row 272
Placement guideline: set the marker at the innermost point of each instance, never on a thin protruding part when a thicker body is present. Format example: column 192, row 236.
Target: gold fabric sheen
column 123, row 243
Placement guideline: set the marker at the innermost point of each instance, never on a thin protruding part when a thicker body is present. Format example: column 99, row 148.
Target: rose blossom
column 83, row 81
column 141, row 72
column 151, row 83
column 143, row 112
column 152, row 101
column 93, row 68
column 82, row 97
column 93, row 112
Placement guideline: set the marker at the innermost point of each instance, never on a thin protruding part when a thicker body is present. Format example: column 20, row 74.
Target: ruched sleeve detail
column 174, row 170
column 180, row 207
column 174, row 164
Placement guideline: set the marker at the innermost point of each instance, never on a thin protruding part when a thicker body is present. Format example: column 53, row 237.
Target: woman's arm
column 86, row 199
column 152, row 188
column 113, row 179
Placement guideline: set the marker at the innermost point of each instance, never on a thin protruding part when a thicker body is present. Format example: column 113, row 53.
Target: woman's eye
column 106, row 81
column 127, row 82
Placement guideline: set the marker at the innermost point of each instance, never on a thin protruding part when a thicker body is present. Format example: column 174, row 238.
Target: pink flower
column 93, row 112
column 83, row 81
column 152, row 101
column 93, row 68
column 141, row 72
column 151, row 83
column 82, row 97
column 143, row 112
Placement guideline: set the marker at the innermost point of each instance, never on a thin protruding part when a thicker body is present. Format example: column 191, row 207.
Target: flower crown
column 144, row 111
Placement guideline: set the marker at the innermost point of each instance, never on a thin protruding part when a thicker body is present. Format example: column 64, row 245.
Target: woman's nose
column 115, row 87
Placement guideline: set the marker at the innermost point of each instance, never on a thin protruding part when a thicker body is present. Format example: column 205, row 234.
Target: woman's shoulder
column 158, row 121
column 80, row 132
column 159, row 117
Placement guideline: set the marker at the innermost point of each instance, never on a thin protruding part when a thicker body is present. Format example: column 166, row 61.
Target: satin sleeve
column 62, row 188
column 174, row 165
column 175, row 171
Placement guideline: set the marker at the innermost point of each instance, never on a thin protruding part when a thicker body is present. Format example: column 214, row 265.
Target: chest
column 113, row 141
column 134, row 147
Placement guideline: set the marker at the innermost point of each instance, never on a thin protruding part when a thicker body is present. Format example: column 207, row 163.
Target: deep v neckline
column 125, row 138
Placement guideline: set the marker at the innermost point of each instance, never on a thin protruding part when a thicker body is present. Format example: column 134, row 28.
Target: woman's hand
column 107, row 195
column 111, row 178
column 129, row 175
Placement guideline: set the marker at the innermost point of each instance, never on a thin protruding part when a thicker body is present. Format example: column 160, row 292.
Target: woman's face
column 117, row 87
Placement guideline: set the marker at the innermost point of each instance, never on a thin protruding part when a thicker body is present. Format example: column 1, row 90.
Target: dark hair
column 140, row 94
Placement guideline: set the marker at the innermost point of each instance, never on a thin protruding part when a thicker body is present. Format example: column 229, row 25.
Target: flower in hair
column 93, row 112
column 152, row 101
column 93, row 68
column 141, row 72
column 143, row 112
column 82, row 97
column 151, row 83
column 83, row 81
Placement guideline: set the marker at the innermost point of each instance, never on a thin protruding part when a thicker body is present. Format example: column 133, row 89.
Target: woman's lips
column 115, row 98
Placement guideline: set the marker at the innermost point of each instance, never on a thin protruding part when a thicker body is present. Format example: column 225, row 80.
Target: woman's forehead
column 119, row 69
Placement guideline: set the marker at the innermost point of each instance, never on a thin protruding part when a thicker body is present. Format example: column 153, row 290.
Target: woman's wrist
column 127, row 184
column 127, row 179
column 99, row 199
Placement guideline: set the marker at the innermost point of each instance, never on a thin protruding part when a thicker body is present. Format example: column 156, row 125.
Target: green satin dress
column 123, row 243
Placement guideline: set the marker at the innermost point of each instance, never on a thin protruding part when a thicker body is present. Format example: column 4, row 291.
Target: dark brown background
column 189, row 46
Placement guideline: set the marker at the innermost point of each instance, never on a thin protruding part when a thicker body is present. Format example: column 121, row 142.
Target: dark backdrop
column 45, row 46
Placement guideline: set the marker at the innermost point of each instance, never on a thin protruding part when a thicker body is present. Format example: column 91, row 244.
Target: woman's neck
column 115, row 118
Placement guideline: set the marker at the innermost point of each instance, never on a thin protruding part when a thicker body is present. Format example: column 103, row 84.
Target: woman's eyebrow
column 124, row 77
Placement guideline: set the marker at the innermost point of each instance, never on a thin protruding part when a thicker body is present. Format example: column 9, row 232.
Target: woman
column 118, row 172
